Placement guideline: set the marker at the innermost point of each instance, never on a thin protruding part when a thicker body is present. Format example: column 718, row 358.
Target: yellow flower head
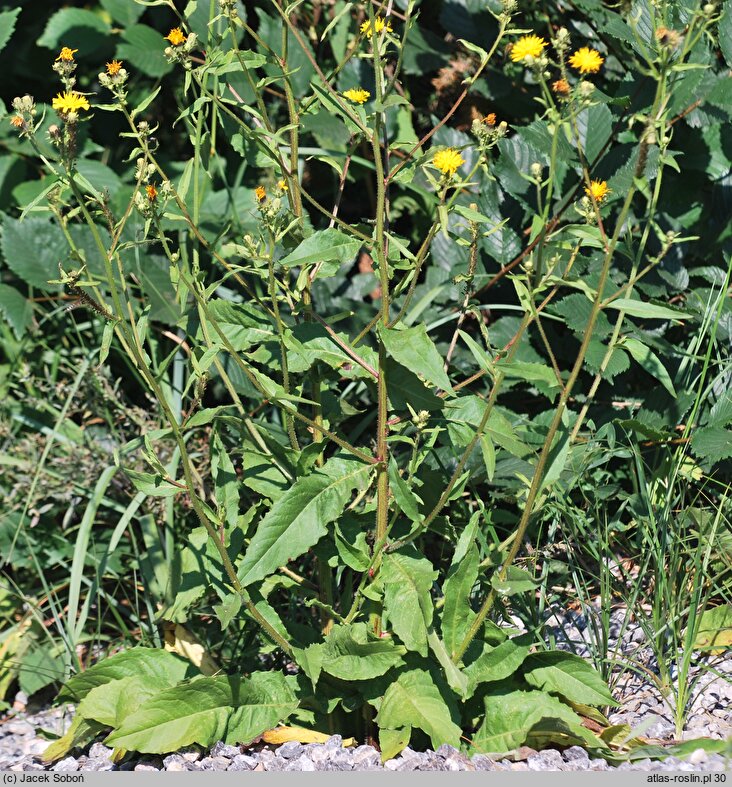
column 152, row 192
column 66, row 54
column 586, row 60
column 70, row 101
column 176, row 36
column 379, row 25
column 282, row 185
column 357, row 95
column 260, row 193
column 598, row 190
column 561, row 86
column 527, row 46
column 490, row 119
column 114, row 67
column 448, row 161
column 17, row 121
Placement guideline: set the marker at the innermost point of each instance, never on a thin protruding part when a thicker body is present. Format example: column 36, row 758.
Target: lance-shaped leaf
column 650, row 362
column 413, row 348
column 407, row 579
column 326, row 246
column 457, row 614
column 499, row 662
column 414, row 700
column 299, row 519
column 353, row 653
column 207, row 710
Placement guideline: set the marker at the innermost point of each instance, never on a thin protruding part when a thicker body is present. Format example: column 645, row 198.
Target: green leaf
column 393, row 741
column 123, row 11
column 326, row 246
column 649, row 311
column 154, row 664
column 413, row 348
column 76, row 28
column 144, row 50
column 650, row 362
column 457, row 614
column 299, row 519
column 510, row 717
column 152, row 484
column 404, row 387
column 715, row 629
column 712, row 443
column 80, row 733
column 516, row 581
column 499, row 662
column 225, row 480
column 228, row 609
column 31, row 250
column 354, row 653
column 414, row 700
column 403, row 494
column 407, row 578
column 111, row 703
column 206, row 710
column 242, row 324
column 15, row 309
column 7, row 26
column 568, row 675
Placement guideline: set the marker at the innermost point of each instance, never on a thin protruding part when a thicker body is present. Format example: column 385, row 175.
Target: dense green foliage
column 325, row 352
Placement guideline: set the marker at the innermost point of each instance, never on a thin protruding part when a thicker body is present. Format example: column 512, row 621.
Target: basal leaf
column 206, row 710
column 499, row 662
column 154, row 664
column 414, row 700
column 353, row 653
column 568, row 675
column 457, row 614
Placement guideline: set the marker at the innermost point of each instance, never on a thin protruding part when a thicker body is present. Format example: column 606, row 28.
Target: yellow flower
column 357, row 95
column 67, row 54
column 152, row 192
column 70, row 101
column 561, row 86
column 597, row 189
column 17, row 121
column 114, row 67
column 448, row 161
column 176, row 36
column 490, row 119
column 527, row 46
column 379, row 25
column 261, row 193
column 282, row 185
column 586, row 60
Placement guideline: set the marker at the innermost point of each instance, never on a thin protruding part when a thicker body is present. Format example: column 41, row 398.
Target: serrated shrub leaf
column 414, row 349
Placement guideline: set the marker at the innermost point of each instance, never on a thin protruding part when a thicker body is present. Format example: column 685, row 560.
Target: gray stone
column 547, row 760
column 301, row 763
column 290, row 750
column 697, row 757
column 67, row 765
column 598, row 765
column 30, row 766
column 459, row 762
column 175, row 763
column 222, row 749
column 98, row 764
column 342, row 758
column 190, row 754
column 446, row 750
column 483, row 763
column 146, row 766
column 365, row 758
column 576, row 754
column 218, row 763
column 318, row 753
column 100, row 751
column 334, row 742
column 243, row 762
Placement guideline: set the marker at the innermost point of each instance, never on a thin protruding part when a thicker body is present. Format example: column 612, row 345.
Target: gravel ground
column 642, row 706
